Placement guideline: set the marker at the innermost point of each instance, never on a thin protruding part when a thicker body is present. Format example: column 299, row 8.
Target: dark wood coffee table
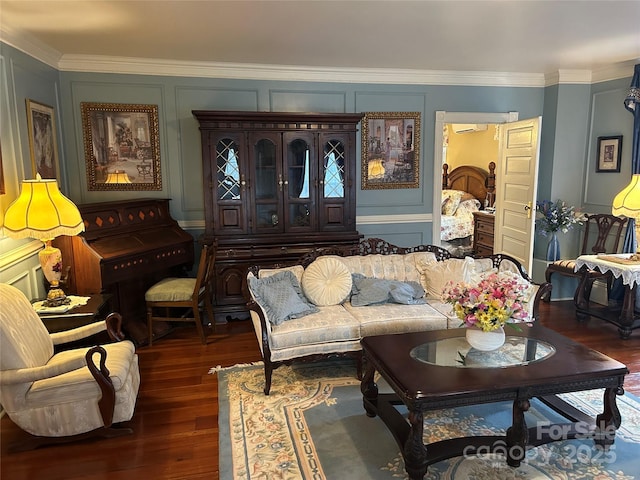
column 424, row 372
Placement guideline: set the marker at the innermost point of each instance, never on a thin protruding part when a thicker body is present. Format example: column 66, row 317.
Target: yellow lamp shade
column 119, row 176
column 42, row 212
column 627, row 202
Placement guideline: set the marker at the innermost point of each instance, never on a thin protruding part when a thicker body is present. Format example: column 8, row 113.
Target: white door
column 517, row 180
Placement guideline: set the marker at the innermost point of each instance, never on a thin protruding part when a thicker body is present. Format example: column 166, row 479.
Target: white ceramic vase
column 485, row 341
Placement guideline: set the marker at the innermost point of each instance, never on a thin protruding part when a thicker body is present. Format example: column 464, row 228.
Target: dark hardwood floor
column 176, row 420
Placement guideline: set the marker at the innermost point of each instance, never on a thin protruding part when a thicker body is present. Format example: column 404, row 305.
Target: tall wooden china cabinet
column 276, row 185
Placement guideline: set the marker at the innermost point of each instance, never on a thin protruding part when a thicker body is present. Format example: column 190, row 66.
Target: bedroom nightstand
column 483, row 225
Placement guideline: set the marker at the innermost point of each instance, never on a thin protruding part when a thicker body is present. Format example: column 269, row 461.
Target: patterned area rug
column 313, row 426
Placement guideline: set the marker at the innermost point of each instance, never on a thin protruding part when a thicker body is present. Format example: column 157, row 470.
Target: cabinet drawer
column 484, row 239
column 484, row 226
column 482, row 250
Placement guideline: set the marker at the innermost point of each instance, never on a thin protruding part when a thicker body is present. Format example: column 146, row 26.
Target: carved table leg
column 518, row 434
column 627, row 315
column 609, row 420
column 415, row 452
column 579, row 298
column 369, row 388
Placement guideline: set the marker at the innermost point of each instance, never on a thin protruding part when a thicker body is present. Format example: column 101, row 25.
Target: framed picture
column 390, row 150
column 121, row 146
column 42, row 140
column 609, row 154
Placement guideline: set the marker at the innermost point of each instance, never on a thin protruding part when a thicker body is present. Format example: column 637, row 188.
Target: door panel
column 516, row 190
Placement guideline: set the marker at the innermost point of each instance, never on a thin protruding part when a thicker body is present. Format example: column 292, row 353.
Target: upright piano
column 126, row 247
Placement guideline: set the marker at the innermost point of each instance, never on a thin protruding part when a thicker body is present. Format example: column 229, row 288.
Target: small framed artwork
column 609, row 154
column 390, row 150
column 42, row 140
column 121, row 146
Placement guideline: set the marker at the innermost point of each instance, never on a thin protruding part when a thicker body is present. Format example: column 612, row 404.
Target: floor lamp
column 42, row 212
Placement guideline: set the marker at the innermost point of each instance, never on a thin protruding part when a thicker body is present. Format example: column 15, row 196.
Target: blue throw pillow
column 371, row 291
column 281, row 297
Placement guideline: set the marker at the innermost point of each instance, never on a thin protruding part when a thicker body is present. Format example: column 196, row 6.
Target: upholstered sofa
column 333, row 297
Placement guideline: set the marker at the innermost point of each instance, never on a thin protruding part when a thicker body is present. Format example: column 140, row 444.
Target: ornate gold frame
column 121, row 138
column 380, row 151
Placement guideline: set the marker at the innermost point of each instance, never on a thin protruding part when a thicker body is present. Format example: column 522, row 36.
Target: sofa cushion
column 392, row 318
column 329, row 325
column 435, row 275
column 327, row 281
column 368, row 291
column 281, row 296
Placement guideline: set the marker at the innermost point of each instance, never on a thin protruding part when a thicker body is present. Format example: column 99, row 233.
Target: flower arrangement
column 497, row 300
column 556, row 217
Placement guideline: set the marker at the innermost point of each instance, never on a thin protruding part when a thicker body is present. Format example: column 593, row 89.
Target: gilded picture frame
column 121, row 146
column 609, row 154
column 41, row 125
column 390, row 150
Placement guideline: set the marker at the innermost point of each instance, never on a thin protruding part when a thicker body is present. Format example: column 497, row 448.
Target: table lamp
column 42, row 212
column 118, row 176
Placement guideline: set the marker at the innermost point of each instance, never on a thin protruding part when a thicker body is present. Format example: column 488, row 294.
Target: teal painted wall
column 573, row 117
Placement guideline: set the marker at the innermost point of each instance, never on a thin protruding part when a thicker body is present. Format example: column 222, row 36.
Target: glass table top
column 456, row 352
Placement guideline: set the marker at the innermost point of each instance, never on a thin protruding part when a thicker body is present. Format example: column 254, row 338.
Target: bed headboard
column 474, row 180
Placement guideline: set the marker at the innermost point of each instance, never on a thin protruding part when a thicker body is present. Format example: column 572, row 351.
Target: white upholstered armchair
column 67, row 395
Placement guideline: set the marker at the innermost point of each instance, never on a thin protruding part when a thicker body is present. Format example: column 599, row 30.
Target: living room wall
column 402, row 216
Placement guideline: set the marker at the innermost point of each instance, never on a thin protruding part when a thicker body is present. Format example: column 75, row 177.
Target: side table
column 625, row 319
column 97, row 308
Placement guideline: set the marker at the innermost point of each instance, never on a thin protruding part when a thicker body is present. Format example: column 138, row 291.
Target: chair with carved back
column 602, row 234
column 176, row 299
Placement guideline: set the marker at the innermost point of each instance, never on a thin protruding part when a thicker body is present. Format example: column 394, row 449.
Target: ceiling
column 511, row 36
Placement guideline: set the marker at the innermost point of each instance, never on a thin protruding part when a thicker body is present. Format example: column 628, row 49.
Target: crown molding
column 147, row 66
column 30, row 46
column 614, row 72
column 159, row 67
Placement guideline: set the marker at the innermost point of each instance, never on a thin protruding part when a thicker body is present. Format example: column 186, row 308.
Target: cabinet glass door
column 228, row 186
column 227, row 170
column 300, row 181
column 333, row 169
column 334, row 183
column 268, row 183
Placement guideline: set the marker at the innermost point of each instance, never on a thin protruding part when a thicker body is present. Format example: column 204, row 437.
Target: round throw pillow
column 327, row 281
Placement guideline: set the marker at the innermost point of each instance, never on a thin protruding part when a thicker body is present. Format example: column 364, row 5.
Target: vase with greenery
column 555, row 217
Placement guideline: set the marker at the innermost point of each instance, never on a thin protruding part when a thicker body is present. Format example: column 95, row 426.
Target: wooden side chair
column 602, row 234
column 181, row 299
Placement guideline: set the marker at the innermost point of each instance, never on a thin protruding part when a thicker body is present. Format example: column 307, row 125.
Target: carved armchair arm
column 28, row 375
column 112, row 324
column 107, row 402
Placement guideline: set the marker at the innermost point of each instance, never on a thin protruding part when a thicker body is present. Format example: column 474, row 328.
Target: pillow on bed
column 450, row 201
column 468, row 206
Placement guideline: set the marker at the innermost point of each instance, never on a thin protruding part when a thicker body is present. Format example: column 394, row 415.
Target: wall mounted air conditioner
column 468, row 127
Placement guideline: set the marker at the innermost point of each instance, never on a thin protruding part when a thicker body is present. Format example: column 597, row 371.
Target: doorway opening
column 465, row 123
